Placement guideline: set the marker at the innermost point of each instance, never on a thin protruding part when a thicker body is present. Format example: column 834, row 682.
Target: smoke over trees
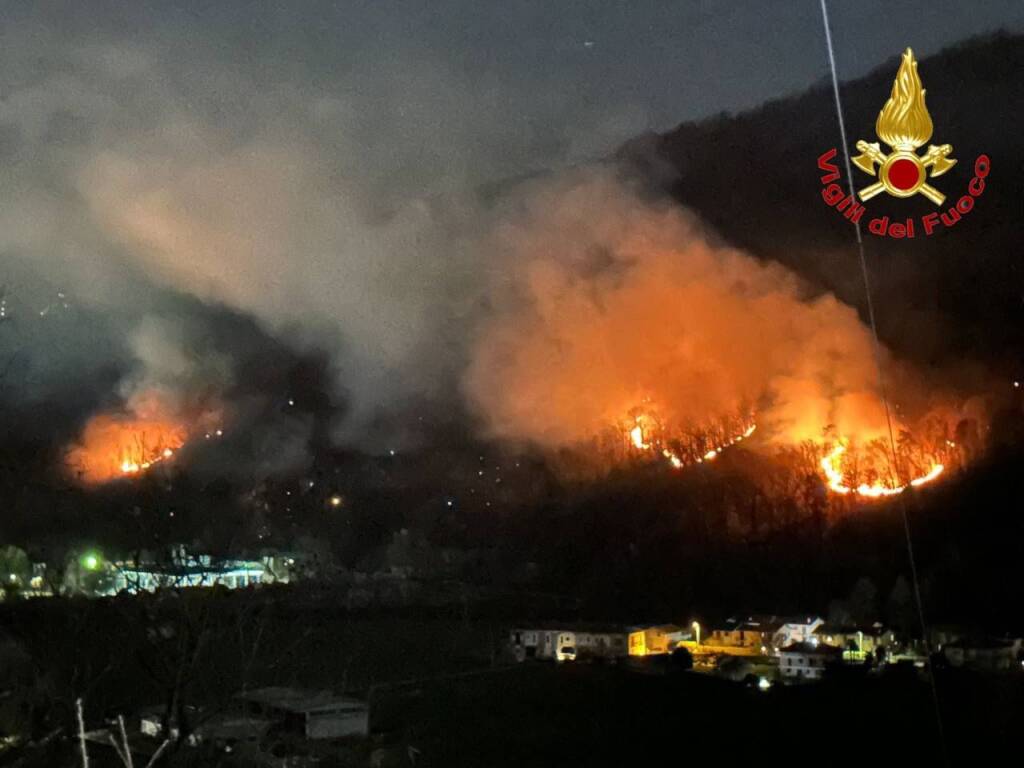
column 605, row 303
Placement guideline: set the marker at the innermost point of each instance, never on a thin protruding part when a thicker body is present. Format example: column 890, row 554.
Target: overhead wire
column 883, row 394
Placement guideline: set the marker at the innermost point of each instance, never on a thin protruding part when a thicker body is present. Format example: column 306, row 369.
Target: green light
column 91, row 562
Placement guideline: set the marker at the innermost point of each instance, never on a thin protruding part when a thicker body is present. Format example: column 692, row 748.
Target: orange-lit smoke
column 114, row 446
column 605, row 302
column 171, row 397
column 605, row 305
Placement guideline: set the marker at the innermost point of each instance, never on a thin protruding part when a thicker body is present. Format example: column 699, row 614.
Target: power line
column 876, row 348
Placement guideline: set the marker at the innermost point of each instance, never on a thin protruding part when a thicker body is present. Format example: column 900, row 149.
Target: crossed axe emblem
column 903, row 173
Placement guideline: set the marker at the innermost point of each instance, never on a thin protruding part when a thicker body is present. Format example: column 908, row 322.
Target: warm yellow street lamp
column 696, row 628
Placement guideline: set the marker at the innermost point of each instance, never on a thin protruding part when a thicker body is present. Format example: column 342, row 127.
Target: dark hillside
column 957, row 293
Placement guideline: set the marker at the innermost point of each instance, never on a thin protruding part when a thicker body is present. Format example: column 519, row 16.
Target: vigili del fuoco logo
column 904, row 125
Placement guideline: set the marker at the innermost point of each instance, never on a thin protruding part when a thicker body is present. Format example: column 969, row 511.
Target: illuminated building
column 806, row 661
column 563, row 644
column 651, row 641
column 185, row 570
column 857, row 643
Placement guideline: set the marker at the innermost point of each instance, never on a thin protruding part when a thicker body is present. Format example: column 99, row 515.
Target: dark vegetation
column 415, row 673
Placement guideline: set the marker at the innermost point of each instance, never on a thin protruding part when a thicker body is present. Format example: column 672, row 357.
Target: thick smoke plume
column 324, row 197
column 607, row 303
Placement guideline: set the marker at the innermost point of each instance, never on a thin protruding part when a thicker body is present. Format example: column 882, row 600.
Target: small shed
column 314, row 714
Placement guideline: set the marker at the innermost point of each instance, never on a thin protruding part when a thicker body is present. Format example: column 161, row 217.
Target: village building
column 795, row 630
column 806, row 661
column 563, row 644
column 857, row 643
column 753, row 632
column 763, row 634
column 655, row 640
column 311, row 714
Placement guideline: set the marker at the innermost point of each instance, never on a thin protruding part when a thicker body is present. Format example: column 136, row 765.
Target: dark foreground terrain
column 572, row 716
column 442, row 693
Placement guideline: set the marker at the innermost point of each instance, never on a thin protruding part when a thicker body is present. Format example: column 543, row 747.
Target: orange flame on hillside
column 647, row 435
column 832, row 466
column 637, row 437
column 114, row 446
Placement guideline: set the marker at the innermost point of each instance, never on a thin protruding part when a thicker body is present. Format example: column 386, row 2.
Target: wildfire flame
column 904, row 122
column 832, row 464
column 114, row 445
column 636, row 435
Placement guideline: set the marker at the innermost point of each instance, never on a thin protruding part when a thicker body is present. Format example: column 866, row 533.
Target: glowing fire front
column 643, row 436
column 832, row 466
column 113, row 446
column 639, row 442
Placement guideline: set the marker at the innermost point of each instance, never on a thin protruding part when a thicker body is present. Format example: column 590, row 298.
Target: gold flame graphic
column 904, row 122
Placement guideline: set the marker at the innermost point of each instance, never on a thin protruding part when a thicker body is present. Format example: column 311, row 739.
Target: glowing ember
column 831, row 465
column 114, row 446
column 636, row 436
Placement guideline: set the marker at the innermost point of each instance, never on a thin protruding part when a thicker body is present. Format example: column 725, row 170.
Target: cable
column 876, row 348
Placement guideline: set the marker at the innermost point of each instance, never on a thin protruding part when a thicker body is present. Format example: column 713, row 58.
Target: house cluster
column 275, row 725
column 576, row 644
column 798, row 648
column 93, row 575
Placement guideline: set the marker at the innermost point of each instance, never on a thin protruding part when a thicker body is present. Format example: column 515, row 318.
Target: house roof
column 763, row 623
column 847, row 629
column 234, row 727
column 657, row 627
column 300, row 700
column 801, row 620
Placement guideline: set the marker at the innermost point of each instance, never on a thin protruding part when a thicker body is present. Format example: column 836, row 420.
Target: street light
column 91, row 562
column 696, row 628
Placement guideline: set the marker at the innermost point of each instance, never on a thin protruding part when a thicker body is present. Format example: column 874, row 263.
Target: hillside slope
column 956, row 294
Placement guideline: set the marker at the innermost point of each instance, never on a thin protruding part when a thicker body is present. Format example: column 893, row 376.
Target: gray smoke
column 333, row 201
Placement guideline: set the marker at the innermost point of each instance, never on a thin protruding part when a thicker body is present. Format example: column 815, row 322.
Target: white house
column 559, row 644
column 566, row 644
column 795, row 630
column 806, row 661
